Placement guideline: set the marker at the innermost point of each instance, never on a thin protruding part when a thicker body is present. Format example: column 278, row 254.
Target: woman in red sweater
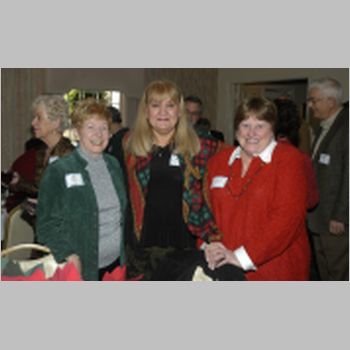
column 258, row 196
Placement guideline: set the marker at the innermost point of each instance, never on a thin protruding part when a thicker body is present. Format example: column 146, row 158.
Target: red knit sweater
column 264, row 212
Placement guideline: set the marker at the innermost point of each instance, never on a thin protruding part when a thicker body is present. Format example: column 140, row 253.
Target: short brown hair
column 85, row 109
column 261, row 107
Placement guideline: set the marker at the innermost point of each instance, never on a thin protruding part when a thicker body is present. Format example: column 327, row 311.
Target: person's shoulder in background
column 218, row 135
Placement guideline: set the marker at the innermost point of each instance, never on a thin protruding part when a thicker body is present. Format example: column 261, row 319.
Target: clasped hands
column 217, row 255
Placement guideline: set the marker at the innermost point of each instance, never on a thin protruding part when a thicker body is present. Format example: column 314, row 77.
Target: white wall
column 227, row 77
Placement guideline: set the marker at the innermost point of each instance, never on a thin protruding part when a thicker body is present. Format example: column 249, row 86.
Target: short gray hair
column 55, row 107
column 329, row 87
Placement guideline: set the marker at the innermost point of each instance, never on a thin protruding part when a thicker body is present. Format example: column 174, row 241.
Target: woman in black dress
column 166, row 165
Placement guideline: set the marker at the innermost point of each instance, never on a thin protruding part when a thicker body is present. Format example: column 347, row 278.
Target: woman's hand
column 15, row 178
column 336, row 227
column 14, row 181
column 31, row 207
column 74, row 258
column 216, row 255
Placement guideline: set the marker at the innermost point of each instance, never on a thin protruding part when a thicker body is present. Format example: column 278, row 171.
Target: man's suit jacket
column 331, row 164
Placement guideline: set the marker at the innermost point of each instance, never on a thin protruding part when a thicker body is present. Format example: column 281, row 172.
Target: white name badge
column 174, row 160
column 52, row 159
column 219, row 182
column 325, row 159
column 74, row 180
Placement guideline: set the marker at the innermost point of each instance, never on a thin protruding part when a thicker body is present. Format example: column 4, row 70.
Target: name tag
column 325, row 159
column 219, row 182
column 74, row 180
column 174, row 160
column 52, row 159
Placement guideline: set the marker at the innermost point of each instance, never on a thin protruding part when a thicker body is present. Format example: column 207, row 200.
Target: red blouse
column 264, row 212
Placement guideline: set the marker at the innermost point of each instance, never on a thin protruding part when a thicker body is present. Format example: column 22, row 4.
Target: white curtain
column 19, row 86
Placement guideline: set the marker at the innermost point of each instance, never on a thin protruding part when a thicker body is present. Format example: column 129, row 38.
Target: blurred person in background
column 329, row 221
column 194, row 108
column 50, row 119
column 287, row 131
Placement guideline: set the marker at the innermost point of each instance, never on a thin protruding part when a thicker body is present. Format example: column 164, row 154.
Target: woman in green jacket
column 82, row 199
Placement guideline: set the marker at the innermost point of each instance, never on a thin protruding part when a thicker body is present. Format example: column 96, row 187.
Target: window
column 111, row 97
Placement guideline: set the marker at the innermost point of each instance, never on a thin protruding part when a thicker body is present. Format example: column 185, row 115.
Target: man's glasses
column 314, row 100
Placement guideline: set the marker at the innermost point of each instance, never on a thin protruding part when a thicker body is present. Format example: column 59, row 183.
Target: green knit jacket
column 67, row 216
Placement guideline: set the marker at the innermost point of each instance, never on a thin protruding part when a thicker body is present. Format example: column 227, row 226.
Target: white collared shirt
column 265, row 155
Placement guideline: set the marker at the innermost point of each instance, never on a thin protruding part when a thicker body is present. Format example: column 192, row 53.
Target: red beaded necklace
column 246, row 185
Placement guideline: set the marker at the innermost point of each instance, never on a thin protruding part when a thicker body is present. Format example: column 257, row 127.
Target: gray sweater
column 109, row 209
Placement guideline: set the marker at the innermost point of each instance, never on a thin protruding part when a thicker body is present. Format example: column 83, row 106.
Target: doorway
column 295, row 89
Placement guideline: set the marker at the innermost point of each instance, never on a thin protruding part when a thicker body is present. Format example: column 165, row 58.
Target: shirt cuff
column 244, row 259
column 203, row 245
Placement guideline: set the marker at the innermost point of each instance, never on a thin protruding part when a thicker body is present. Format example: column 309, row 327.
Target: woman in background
column 50, row 119
column 287, row 131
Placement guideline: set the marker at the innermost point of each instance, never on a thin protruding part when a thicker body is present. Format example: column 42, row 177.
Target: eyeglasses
column 314, row 100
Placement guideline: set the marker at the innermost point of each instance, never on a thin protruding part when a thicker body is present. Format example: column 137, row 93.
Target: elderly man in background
column 329, row 222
